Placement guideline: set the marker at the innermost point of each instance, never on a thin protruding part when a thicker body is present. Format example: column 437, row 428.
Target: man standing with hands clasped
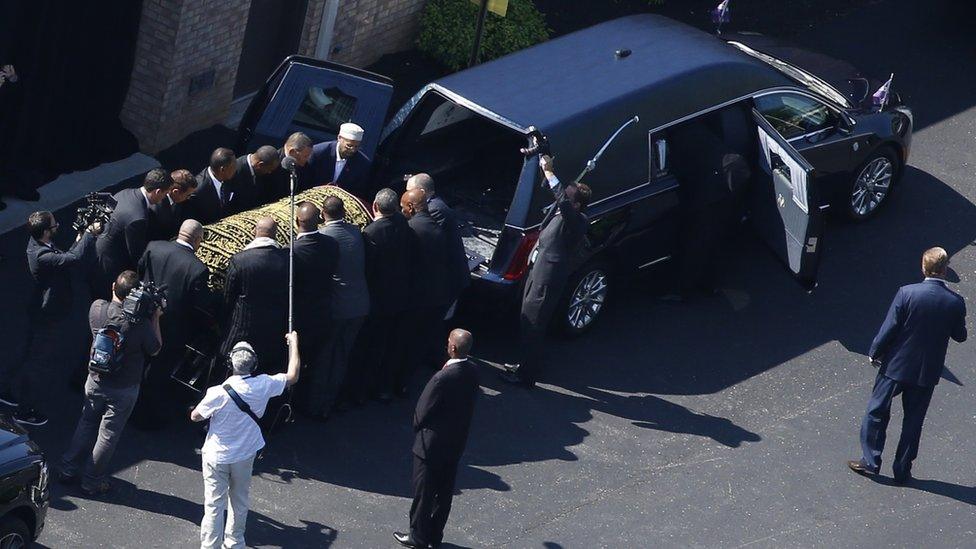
column 910, row 351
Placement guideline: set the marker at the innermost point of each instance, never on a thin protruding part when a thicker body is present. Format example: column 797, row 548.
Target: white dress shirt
column 217, row 185
column 185, row 245
column 340, row 164
column 299, row 235
column 145, row 195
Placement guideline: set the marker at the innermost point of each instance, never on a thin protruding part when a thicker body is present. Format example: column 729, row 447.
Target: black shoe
column 100, row 489
column 30, row 417
column 8, row 399
column 905, row 479
column 65, row 478
column 861, row 468
column 406, row 540
column 515, row 379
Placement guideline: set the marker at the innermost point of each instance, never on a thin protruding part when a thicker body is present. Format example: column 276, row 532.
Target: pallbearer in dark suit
column 189, row 312
column 341, row 163
column 251, row 179
column 256, row 297
column 166, row 217
column 440, row 424
column 316, row 257
column 215, row 191
column 122, row 243
column 277, row 184
column 561, row 238
column 48, row 310
column 910, row 349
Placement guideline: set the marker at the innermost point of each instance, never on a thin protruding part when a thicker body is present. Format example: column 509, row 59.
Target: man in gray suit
column 350, row 305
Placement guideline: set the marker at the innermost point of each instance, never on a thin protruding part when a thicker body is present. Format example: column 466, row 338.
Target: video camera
column 143, row 301
column 97, row 209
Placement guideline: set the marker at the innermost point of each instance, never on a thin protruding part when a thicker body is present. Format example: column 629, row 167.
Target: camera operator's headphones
column 243, row 350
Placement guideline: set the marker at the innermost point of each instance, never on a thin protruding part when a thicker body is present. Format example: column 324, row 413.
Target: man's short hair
column 298, row 140
column 334, row 208
column 387, row 201
column 221, row 158
column 583, row 194
column 424, row 182
column 266, row 154
column 935, row 261
column 157, row 179
column 125, row 282
column 243, row 359
column 38, row 222
column 183, row 180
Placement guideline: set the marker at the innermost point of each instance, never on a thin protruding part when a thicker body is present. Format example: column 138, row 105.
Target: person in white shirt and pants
column 234, row 439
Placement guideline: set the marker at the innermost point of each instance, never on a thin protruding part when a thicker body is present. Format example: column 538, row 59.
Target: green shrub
column 447, row 31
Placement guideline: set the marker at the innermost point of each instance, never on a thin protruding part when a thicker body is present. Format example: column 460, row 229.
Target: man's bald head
column 423, row 182
column 459, row 343
column 307, row 217
column 266, row 227
column 413, row 201
column 191, row 232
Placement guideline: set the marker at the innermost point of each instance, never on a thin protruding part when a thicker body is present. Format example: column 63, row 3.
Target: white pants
column 225, row 482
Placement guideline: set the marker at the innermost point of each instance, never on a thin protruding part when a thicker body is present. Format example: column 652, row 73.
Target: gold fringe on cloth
column 230, row 235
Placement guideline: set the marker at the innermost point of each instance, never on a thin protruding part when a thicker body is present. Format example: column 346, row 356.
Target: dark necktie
column 224, row 195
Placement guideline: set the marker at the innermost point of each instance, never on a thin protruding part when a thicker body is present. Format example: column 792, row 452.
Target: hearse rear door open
column 784, row 203
column 315, row 97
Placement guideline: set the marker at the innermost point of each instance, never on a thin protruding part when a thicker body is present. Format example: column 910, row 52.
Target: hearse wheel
column 872, row 184
column 584, row 298
column 13, row 533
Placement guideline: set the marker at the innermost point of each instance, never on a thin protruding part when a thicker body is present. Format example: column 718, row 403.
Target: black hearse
column 810, row 146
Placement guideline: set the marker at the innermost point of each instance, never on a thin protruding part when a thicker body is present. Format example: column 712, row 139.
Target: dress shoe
column 905, row 479
column 515, row 379
column 861, row 468
column 406, row 540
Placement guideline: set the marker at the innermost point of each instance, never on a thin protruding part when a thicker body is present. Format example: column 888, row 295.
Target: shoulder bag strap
column 241, row 404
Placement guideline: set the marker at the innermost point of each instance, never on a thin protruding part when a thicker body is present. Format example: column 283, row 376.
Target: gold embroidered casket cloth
column 231, row 234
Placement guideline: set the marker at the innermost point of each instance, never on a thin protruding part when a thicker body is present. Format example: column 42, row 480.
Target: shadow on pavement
column 958, row 492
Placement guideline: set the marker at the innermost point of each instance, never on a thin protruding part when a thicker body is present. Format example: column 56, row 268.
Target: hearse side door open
column 784, row 204
column 315, row 97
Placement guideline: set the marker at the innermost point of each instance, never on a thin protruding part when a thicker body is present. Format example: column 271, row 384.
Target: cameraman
column 234, row 438
column 109, row 398
column 48, row 311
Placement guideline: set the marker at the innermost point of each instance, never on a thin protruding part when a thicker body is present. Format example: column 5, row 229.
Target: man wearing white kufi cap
column 340, row 162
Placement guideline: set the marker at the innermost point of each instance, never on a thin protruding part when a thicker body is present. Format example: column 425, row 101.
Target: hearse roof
column 673, row 71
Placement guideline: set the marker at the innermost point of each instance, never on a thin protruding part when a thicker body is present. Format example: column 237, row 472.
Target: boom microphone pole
column 289, row 163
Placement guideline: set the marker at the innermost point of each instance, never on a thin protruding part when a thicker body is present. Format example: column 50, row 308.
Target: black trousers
column 330, row 370
column 915, row 401
column 703, row 232
column 540, row 298
column 40, row 365
column 433, row 491
column 383, row 365
column 431, row 337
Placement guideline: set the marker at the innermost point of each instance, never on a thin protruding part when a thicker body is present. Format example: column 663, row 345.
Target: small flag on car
column 880, row 97
column 720, row 14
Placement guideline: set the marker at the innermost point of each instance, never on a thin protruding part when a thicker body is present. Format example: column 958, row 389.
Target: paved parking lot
column 723, row 422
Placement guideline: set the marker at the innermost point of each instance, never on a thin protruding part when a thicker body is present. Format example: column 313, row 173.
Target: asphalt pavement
column 721, row 422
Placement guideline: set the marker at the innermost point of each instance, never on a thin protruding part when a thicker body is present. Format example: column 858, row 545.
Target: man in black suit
column 447, row 218
column 910, row 349
column 277, row 184
column 433, row 292
column 440, row 424
column 122, row 243
column 166, row 217
column 316, row 258
column 250, row 178
column 256, row 297
column 391, row 251
column 189, row 311
column 341, row 163
column 48, row 310
column 215, row 190
column 561, row 238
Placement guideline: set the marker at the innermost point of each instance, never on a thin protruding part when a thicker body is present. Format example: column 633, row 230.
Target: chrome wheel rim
column 12, row 540
column 872, row 186
column 587, row 300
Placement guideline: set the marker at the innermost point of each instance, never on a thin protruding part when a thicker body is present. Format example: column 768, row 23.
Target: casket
column 230, row 235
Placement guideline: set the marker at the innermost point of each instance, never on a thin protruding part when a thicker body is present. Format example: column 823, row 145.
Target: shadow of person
column 958, row 492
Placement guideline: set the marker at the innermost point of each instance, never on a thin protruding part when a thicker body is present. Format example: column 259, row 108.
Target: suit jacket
column 316, row 258
column 913, row 339
column 189, row 302
column 354, row 176
column 256, row 302
column 433, row 267
column 562, row 234
column 443, row 414
column 124, row 239
column 165, row 219
column 460, row 276
column 350, row 296
column 52, row 281
column 205, row 205
column 277, row 184
column 391, row 249
column 247, row 192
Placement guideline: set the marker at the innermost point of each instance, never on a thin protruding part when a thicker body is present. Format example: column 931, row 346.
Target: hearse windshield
column 801, row 76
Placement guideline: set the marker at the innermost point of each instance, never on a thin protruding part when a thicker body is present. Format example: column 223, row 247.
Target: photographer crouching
column 234, row 439
column 126, row 333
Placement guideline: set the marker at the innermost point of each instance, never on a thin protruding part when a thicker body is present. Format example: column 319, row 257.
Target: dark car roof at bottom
column 674, row 70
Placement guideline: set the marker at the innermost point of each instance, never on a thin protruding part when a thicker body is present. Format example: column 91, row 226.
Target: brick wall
column 367, row 29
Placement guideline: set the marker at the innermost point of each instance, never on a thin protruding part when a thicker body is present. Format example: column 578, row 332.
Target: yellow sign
column 498, row 7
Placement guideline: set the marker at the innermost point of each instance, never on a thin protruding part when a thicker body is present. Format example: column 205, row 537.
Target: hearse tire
column 881, row 158
column 590, row 283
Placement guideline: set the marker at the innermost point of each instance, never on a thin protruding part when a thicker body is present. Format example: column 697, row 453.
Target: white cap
column 350, row 131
